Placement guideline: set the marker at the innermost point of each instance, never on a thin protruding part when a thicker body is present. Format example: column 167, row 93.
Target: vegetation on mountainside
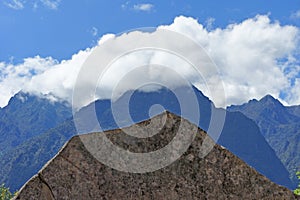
column 5, row 194
column 297, row 190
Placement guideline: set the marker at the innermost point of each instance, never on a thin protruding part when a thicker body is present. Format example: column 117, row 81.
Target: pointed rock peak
column 166, row 113
column 270, row 99
column 26, row 100
column 164, row 117
column 189, row 176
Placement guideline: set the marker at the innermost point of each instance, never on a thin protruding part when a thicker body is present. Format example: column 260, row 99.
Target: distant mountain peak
column 267, row 101
column 270, row 99
column 28, row 97
column 279, row 125
column 22, row 97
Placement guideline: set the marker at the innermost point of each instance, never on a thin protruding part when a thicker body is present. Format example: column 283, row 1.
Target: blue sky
column 255, row 44
column 60, row 29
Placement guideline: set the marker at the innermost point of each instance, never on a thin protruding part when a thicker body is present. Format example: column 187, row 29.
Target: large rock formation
column 75, row 174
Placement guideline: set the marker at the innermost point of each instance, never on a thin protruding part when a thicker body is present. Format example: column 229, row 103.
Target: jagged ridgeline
column 240, row 135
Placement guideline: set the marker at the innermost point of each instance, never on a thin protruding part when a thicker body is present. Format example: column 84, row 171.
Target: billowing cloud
column 15, row 4
column 143, row 7
column 254, row 58
column 59, row 79
column 13, row 78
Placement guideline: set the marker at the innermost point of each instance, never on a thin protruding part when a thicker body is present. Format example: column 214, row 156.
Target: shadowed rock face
column 75, row 174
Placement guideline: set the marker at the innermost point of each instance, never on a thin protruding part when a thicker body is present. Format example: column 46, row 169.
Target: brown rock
column 75, row 174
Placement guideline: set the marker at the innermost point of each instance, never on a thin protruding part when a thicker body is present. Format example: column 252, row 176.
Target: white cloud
column 14, row 77
column 51, row 4
column 15, row 4
column 143, row 7
column 247, row 54
column 254, row 57
column 59, row 78
column 295, row 15
column 105, row 38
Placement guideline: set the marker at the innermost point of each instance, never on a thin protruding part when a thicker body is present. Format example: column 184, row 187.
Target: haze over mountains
column 18, row 163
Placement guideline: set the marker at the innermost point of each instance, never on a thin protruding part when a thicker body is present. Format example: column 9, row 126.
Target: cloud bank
column 254, row 57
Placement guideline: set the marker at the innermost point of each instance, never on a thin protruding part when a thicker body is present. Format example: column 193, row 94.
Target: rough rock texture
column 75, row 174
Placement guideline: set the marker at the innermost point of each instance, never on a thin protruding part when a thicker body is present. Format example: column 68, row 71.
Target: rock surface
column 75, row 174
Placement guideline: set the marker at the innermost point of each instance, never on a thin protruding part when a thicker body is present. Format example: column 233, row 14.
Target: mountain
column 240, row 134
column 280, row 125
column 140, row 103
column 26, row 117
column 20, row 163
column 75, row 174
column 295, row 110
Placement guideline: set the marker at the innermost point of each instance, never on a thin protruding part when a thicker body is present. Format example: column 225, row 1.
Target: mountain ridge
column 139, row 106
column 280, row 126
column 25, row 117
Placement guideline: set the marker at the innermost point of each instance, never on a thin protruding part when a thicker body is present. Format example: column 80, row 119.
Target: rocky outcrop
column 75, row 174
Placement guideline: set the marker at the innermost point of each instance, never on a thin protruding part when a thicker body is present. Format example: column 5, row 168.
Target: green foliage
column 297, row 190
column 5, row 194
